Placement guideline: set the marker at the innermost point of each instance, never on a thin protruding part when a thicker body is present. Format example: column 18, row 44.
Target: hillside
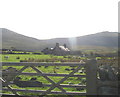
column 102, row 39
column 13, row 39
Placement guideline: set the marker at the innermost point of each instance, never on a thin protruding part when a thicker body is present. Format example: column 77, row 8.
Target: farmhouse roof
column 64, row 48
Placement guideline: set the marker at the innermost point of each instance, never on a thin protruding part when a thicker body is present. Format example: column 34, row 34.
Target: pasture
column 39, row 58
column 45, row 69
column 13, row 57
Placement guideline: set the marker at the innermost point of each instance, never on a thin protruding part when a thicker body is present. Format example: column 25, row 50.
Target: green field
column 12, row 57
column 50, row 69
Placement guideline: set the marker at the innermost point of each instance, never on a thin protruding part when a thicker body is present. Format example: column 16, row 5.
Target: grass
column 12, row 57
column 73, row 80
column 50, row 69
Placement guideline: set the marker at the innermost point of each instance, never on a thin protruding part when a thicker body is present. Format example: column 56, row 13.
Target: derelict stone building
column 57, row 50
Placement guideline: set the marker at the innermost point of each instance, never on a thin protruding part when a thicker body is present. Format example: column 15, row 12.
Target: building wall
column 56, row 51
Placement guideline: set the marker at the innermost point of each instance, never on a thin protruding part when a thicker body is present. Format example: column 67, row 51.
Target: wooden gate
column 10, row 78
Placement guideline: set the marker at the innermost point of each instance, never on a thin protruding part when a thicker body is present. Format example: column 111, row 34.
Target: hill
column 102, row 39
column 18, row 41
column 92, row 41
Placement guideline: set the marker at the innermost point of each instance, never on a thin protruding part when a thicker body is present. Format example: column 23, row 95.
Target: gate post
column 91, row 77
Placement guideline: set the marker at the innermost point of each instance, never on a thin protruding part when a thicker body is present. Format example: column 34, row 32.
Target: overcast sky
column 45, row 19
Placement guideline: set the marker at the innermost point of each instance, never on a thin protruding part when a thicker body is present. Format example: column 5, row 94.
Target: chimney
column 57, row 44
column 65, row 45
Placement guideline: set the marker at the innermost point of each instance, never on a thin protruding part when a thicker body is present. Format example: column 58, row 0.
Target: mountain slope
column 12, row 39
column 102, row 39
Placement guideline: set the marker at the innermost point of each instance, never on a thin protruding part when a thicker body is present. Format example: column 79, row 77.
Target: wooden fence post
column 91, row 77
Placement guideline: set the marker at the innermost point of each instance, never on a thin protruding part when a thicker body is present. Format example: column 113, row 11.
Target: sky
column 46, row 19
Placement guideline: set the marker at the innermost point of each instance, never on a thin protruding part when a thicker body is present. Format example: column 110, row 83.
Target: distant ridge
column 22, row 42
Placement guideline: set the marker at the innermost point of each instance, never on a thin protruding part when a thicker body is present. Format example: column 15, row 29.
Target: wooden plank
column 91, row 77
column 62, row 80
column 63, row 85
column 41, row 64
column 53, row 83
column 38, row 71
column 66, row 85
column 9, row 87
column 7, row 83
column 17, row 73
column 70, row 74
column 6, row 95
column 52, row 92
column 47, row 74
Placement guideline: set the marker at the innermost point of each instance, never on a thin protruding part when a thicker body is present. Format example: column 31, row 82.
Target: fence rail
column 91, row 73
